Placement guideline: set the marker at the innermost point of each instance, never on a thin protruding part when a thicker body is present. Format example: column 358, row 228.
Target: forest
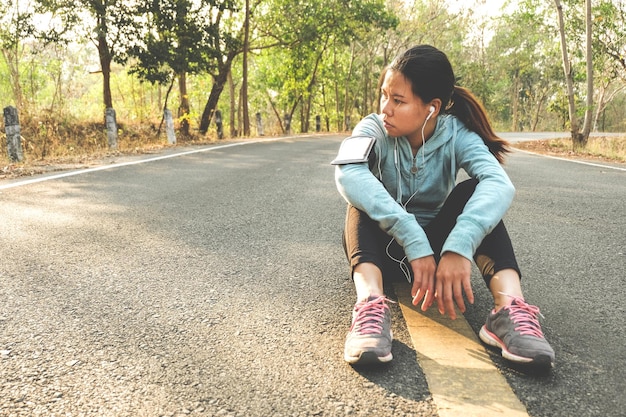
column 271, row 67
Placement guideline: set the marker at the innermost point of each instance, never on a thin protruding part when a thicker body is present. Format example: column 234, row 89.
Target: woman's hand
column 452, row 278
column 423, row 281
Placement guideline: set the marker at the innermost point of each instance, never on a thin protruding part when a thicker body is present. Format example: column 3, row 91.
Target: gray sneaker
column 370, row 336
column 516, row 330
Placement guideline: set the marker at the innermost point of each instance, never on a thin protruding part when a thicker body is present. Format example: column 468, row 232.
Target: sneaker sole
column 492, row 340
column 368, row 358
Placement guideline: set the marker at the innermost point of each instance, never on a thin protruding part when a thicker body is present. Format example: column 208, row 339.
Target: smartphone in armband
column 354, row 150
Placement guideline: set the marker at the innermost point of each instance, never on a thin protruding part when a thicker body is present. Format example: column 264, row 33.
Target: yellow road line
column 461, row 377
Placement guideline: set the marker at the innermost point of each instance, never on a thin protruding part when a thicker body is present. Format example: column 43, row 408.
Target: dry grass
column 601, row 148
column 54, row 146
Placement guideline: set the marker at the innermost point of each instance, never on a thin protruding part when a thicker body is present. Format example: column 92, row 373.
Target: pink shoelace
column 369, row 316
column 525, row 316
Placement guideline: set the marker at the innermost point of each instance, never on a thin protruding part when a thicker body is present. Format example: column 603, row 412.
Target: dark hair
column 431, row 76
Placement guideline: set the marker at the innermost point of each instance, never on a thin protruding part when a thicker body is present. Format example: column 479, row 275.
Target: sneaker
column 515, row 329
column 369, row 338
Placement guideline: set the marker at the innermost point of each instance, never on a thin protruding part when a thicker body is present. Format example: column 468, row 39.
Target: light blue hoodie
column 374, row 188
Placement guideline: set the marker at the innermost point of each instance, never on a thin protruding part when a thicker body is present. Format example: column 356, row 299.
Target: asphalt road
column 214, row 284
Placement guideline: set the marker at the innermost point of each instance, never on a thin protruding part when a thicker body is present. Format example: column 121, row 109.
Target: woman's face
column 403, row 112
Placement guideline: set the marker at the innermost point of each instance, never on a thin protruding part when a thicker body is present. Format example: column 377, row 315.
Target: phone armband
column 354, row 150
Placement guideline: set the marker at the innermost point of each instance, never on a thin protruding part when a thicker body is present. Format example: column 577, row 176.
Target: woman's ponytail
column 466, row 107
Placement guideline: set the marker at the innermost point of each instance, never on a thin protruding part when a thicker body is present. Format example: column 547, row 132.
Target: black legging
column 365, row 241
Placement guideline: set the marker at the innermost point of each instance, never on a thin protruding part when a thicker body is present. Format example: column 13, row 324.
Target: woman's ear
column 431, row 111
column 436, row 105
column 434, row 108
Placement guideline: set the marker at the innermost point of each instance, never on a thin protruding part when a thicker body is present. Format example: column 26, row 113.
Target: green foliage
column 526, row 60
column 177, row 36
column 308, row 58
column 16, row 24
column 311, row 37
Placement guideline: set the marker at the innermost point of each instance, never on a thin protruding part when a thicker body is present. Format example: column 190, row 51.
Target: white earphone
column 400, row 262
column 432, row 110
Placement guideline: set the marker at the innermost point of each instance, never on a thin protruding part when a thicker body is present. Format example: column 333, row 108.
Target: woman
column 406, row 214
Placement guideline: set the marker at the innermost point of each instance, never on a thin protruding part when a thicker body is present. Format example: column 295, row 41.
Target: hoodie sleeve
column 490, row 201
column 360, row 188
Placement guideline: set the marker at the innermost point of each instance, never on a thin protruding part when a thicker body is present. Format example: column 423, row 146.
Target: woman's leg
column 496, row 261
column 443, row 223
column 505, row 285
column 513, row 324
column 364, row 244
column 495, row 257
column 368, row 280
column 370, row 338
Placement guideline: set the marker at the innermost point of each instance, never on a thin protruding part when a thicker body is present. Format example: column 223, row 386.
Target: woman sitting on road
column 406, row 214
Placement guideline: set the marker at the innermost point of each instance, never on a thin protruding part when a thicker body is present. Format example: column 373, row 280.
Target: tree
column 310, row 35
column 244, row 83
column 108, row 28
column 522, row 57
column 579, row 138
column 173, row 41
column 112, row 18
column 225, row 44
column 15, row 26
column 609, row 60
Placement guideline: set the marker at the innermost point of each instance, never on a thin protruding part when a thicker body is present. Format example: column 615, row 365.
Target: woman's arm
column 360, row 188
column 490, row 201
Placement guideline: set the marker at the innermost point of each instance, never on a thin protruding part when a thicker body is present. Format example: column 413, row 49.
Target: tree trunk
column 219, row 81
column 337, row 99
column 183, row 110
column 244, row 84
column 579, row 139
column 233, row 106
column 347, row 100
column 515, row 103
column 211, row 104
column 306, row 114
column 589, row 56
column 105, row 62
column 276, row 112
column 13, row 62
column 539, row 109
